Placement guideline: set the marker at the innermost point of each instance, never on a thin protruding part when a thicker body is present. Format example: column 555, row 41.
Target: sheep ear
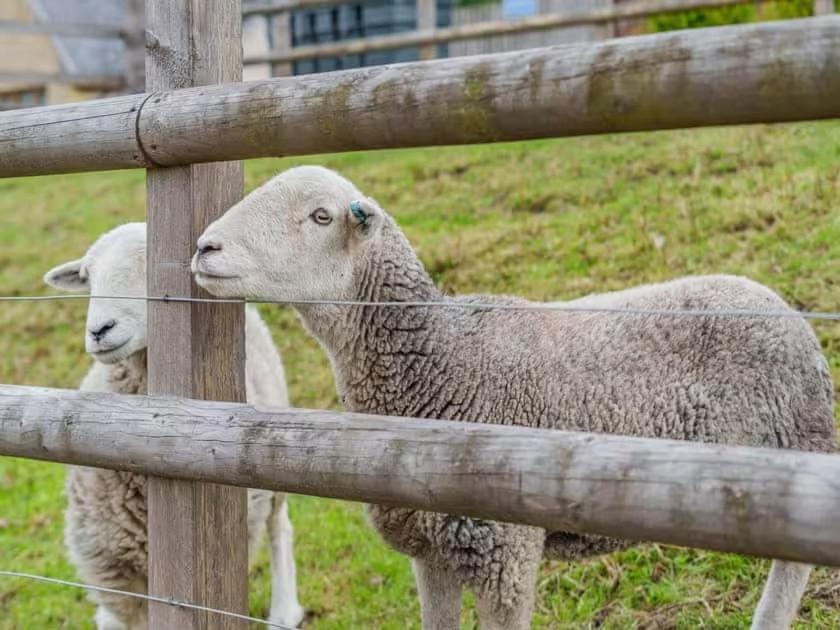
column 67, row 277
column 365, row 217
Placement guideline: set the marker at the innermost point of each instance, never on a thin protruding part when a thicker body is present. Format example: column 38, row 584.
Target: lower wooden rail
column 764, row 502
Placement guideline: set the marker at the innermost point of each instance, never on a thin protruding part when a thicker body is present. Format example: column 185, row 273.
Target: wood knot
column 152, row 41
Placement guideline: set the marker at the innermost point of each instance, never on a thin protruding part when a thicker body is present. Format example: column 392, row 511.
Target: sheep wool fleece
column 756, row 381
column 106, row 519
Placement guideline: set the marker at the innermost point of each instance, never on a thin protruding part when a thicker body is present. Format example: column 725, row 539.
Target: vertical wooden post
column 256, row 40
column 823, row 7
column 134, row 39
column 280, row 25
column 611, row 27
column 197, row 532
column 426, row 21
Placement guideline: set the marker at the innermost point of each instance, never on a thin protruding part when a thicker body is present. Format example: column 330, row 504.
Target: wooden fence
column 765, row 502
column 131, row 32
column 486, row 12
column 428, row 37
column 732, row 75
column 771, row 503
column 60, row 28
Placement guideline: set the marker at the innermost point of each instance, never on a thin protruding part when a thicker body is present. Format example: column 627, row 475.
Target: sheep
column 105, row 530
column 309, row 234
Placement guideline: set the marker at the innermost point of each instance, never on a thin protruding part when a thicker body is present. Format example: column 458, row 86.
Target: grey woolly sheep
column 310, row 234
column 105, row 530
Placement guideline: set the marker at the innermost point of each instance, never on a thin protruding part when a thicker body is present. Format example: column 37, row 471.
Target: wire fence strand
column 453, row 304
column 169, row 601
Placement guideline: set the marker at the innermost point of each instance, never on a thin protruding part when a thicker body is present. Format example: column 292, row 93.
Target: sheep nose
column 102, row 330
column 205, row 247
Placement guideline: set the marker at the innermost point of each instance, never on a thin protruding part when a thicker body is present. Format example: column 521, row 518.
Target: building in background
column 38, row 69
column 517, row 9
column 334, row 23
column 369, row 18
column 357, row 20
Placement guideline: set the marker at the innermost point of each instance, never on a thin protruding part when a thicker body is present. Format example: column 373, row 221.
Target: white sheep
column 309, row 234
column 105, row 529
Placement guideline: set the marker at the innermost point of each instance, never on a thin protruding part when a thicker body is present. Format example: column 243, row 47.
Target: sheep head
column 298, row 237
column 114, row 265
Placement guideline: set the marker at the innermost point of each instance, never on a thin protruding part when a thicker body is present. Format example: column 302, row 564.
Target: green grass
column 546, row 220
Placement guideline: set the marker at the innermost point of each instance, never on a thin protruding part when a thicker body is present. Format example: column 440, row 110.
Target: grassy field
column 546, row 220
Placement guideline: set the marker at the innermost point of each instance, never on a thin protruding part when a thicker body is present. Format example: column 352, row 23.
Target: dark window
column 22, row 98
column 354, row 21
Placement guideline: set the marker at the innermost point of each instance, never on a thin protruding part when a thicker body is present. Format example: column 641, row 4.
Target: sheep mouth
column 105, row 352
column 203, row 275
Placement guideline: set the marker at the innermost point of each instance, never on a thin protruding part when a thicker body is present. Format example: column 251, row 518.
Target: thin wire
column 169, row 601
column 476, row 306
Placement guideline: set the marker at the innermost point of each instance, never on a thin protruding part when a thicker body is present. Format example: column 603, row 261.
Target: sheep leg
column 106, row 619
column 285, row 608
column 260, row 506
column 440, row 596
column 116, row 612
column 782, row 593
column 502, row 571
column 499, row 610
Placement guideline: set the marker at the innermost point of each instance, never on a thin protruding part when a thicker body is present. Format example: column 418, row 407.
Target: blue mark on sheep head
column 356, row 209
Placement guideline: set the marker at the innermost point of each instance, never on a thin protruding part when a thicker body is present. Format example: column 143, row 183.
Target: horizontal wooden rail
column 101, row 81
column 61, row 28
column 640, row 8
column 756, row 73
column 762, row 502
column 287, row 5
column 656, row 6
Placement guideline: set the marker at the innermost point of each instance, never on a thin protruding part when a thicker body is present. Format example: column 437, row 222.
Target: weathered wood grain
column 755, row 73
column 197, row 531
column 88, row 136
column 763, row 502
column 428, row 36
column 772, row 72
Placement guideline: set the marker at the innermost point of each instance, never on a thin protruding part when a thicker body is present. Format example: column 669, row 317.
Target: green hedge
column 783, row 9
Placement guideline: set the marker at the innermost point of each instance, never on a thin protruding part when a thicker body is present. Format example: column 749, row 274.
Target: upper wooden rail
column 61, row 28
column 640, row 8
column 286, row 5
column 657, row 6
column 101, row 81
column 755, row 73
column 109, row 31
column 764, row 502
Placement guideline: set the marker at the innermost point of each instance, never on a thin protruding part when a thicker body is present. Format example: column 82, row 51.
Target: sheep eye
column 321, row 217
